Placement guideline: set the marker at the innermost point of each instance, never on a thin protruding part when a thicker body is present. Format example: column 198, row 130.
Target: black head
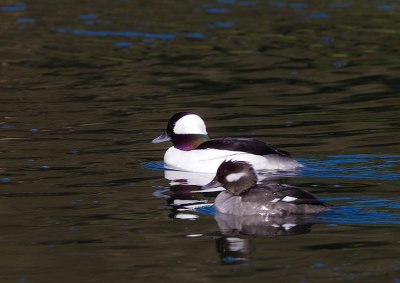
column 235, row 176
column 186, row 131
column 172, row 121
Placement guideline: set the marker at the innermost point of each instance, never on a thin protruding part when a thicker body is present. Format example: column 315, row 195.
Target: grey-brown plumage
column 243, row 196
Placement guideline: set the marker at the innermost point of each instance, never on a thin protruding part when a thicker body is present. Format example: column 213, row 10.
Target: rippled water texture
column 86, row 85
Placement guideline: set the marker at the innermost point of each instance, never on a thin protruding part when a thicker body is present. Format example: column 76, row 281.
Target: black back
column 244, row 145
column 303, row 197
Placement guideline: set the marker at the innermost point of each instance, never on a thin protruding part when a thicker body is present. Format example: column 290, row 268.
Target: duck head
column 236, row 177
column 186, row 131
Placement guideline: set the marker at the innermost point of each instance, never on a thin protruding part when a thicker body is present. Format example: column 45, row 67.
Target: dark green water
column 86, row 85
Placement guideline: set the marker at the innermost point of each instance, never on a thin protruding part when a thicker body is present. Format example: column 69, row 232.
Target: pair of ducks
column 235, row 161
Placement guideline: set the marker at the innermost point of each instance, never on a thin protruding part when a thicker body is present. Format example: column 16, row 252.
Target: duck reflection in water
column 247, row 209
column 185, row 194
column 184, row 201
column 188, row 178
column 245, row 206
column 236, row 245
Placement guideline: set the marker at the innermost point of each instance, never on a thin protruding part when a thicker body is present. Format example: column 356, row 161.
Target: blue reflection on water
column 388, row 8
column 86, row 17
column 194, row 35
column 298, row 5
column 123, row 44
column 25, row 20
column 226, row 1
column 343, row 5
column 158, row 166
column 162, row 36
column 248, row 3
column 221, row 25
column 6, row 125
column 327, row 40
column 213, row 10
column 377, row 167
column 339, row 64
column 363, row 212
column 91, row 19
column 145, row 35
column 319, row 16
column 5, row 180
column 276, row 4
column 206, row 210
column 18, row 7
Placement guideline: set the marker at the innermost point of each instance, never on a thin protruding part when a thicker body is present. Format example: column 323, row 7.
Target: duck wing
column 244, row 145
column 292, row 194
column 280, row 193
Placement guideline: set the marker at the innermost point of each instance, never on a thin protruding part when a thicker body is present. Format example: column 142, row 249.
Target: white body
column 208, row 160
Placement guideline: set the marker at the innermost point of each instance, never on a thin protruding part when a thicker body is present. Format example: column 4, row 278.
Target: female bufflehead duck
column 244, row 197
column 194, row 151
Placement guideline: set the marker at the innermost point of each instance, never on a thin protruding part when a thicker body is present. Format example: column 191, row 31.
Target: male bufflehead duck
column 243, row 196
column 194, row 151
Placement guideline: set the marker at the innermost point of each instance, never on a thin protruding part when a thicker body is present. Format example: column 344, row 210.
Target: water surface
column 85, row 87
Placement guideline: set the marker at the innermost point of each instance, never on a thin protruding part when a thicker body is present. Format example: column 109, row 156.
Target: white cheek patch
column 275, row 200
column 190, row 124
column 234, row 177
column 289, row 199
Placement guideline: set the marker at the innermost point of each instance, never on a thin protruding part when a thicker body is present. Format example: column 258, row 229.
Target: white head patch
column 288, row 199
column 234, row 176
column 190, row 124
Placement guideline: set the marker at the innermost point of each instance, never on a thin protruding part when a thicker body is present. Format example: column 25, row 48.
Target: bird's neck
column 188, row 142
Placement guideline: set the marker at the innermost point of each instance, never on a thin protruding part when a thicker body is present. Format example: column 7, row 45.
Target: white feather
column 289, row 199
column 186, row 216
column 190, row 124
column 234, row 177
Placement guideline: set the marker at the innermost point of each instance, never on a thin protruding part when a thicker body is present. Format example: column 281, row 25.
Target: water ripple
column 144, row 35
column 358, row 166
column 363, row 212
column 162, row 36
column 18, row 7
column 377, row 167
